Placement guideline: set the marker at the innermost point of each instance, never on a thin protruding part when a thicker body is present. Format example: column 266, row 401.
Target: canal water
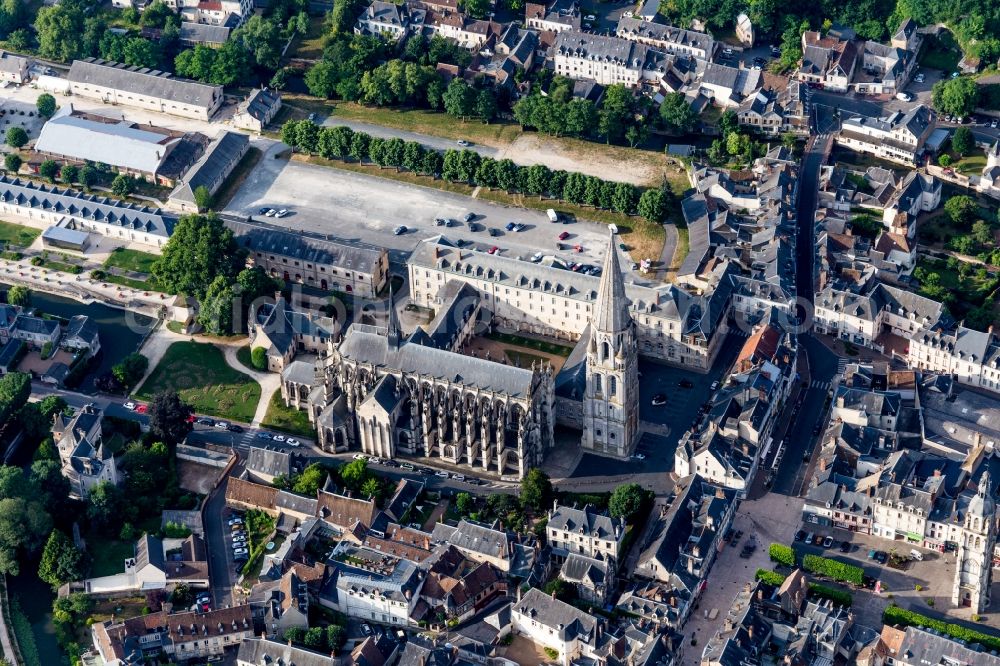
column 120, row 331
column 35, row 598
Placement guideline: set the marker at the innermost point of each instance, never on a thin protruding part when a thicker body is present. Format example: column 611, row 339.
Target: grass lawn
column 60, row 266
column 287, row 419
column 532, row 343
column 973, row 164
column 205, row 381
column 16, row 234
column 131, row 260
column 681, row 251
column 940, row 52
column 235, row 179
column 436, row 123
column 108, row 555
column 140, row 285
column 521, row 359
column 310, row 45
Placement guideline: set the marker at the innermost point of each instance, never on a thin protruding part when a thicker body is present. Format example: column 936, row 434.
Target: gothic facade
column 403, row 395
column 974, row 565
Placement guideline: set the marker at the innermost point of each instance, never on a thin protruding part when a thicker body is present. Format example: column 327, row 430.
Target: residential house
column 85, row 460
column 556, row 16
column 81, row 335
column 281, row 605
column 457, row 587
column 153, row 90
column 194, row 635
column 14, row 68
column 214, row 36
column 884, row 69
column 773, row 111
column 265, row 464
column 593, row 578
column 660, row 604
column 230, row 13
column 728, row 87
column 257, row 111
column 484, row 543
column 344, row 513
column 862, row 318
column 827, row 61
column 322, row 262
column 585, row 531
column 257, row 651
column 554, row 624
column 36, row 332
column 745, row 31
column 245, row 494
column 210, row 171
column 387, row 19
column 370, row 585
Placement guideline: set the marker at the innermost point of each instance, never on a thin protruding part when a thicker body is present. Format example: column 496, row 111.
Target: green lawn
column 287, row 419
column 131, row 260
column 16, row 234
column 682, row 249
column 532, row 343
column 205, row 381
column 941, row 53
column 108, row 555
column 973, row 164
column 310, row 45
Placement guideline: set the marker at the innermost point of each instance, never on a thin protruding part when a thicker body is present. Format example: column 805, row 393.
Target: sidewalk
column 269, row 381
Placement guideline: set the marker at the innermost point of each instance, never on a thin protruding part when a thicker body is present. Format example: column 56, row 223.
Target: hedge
column 894, row 615
column 824, row 566
column 839, row 597
column 782, row 554
column 770, row 577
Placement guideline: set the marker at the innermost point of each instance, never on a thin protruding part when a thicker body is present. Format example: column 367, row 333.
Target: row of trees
column 467, row 166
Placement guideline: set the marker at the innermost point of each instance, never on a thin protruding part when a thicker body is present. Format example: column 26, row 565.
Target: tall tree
column 626, row 500
column 46, row 105
column 200, row 249
column 216, row 312
column 677, row 115
column 62, row 562
column 536, row 490
column 168, row 417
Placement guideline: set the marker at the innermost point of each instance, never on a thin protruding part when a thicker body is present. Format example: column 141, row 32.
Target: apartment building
column 862, row 318
column 666, row 38
column 971, row 357
column 558, row 626
column 116, row 83
column 555, row 16
column 772, row 111
column 827, row 61
column 607, row 60
column 371, row 585
column 899, row 137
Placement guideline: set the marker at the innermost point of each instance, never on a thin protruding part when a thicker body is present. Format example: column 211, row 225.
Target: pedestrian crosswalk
column 817, row 384
column 841, row 366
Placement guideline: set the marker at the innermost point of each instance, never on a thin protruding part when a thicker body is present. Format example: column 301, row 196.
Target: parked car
column 234, row 428
column 360, row 456
column 818, row 540
column 685, row 383
column 494, row 231
column 563, row 236
column 408, row 466
column 828, row 541
column 366, row 629
column 881, row 556
column 241, row 551
column 510, row 226
column 141, row 409
column 204, row 420
column 659, row 399
column 291, row 441
column 399, row 231
column 639, row 456
column 845, row 546
column 463, row 143
column 442, row 474
column 714, row 386
column 809, row 538
column 263, row 435
column 458, row 477
column 871, row 554
column 281, row 213
column 519, row 227
column 493, row 250
column 278, row 438
column 916, row 555
column 129, row 405
column 589, row 17
column 221, row 425
column 800, row 535
column 270, row 212
column 438, row 221
column 469, row 217
column 536, row 257
column 374, row 461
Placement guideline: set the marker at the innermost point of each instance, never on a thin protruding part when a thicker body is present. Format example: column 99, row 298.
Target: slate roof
column 143, row 81
column 202, row 33
column 35, row 325
column 273, row 462
column 259, row 104
column 588, row 570
column 639, row 29
column 611, row 314
column 83, row 328
column 313, row 248
column 585, row 521
column 89, row 207
column 263, row 651
column 568, row 622
column 207, row 171
column 475, row 537
column 11, row 63
column 118, row 143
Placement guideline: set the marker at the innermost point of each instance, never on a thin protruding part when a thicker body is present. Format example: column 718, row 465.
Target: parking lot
column 934, row 575
column 361, row 208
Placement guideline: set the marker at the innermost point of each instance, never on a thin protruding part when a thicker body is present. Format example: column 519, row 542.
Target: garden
column 200, row 374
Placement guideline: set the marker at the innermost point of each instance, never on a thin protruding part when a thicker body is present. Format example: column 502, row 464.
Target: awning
column 913, row 536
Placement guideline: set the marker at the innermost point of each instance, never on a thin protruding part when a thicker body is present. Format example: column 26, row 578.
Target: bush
column 551, row 653
column 782, row 554
column 258, row 358
column 174, row 530
column 770, row 577
column 839, row 597
column 847, row 573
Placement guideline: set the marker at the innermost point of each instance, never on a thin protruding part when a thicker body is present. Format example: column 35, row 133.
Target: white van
column 915, row 554
column 904, row 97
column 553, row 215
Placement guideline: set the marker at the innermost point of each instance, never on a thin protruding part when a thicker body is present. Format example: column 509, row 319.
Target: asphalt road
column 361, row 208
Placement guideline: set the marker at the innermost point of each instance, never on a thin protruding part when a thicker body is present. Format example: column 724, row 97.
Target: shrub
column 823, row 566
column 930, row 602
column 770, row 577
column 839, row 597
column 551, row 653
column 46, row 350
column 782, row 554
column 258, row 358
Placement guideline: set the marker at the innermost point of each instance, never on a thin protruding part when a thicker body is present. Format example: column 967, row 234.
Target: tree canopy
column 168, row 417
column 200, row 249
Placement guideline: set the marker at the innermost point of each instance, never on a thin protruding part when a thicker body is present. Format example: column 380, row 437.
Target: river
column 35, row 598
column 121, row 331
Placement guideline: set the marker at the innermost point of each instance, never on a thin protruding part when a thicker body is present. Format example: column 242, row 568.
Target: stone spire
column 982, row 504
column 611, row 309
column 392, row 328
